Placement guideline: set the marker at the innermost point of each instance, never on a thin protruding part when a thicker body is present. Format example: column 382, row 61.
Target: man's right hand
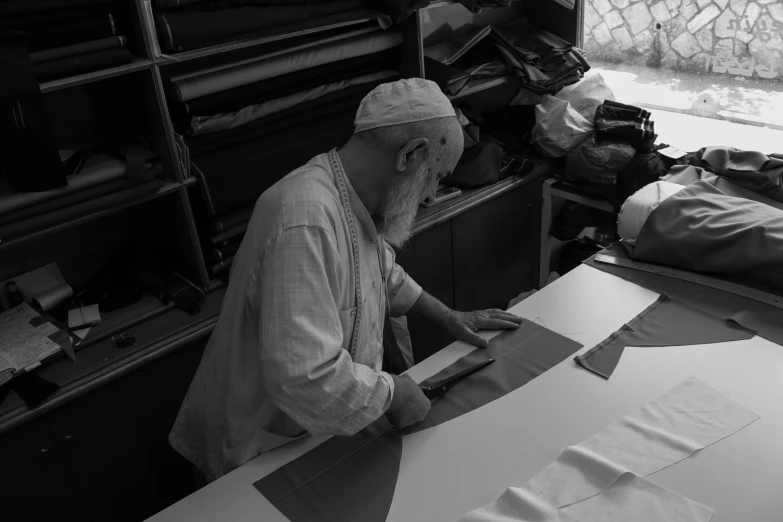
column 409, row 404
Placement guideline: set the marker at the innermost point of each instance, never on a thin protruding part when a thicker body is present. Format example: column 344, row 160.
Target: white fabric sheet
column 688, row 418
column 635, row 499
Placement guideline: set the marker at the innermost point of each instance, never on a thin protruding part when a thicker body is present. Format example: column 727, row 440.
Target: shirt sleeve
column 305, row 370
column 402, row 290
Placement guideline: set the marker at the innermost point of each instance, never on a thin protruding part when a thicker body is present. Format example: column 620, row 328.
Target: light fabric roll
column 640, row 205
column 284, row 64
column 230, row 120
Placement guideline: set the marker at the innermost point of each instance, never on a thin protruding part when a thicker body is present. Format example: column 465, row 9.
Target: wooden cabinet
column 114, row 442
column 480, row 255
column 495, row 250
column 35, row 485
column 428, row 260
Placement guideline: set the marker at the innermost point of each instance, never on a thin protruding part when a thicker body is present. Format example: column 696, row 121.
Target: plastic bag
column 559, row 128
column 587, row 95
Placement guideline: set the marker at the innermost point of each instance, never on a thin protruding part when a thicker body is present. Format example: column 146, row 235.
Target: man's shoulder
column 307, row 196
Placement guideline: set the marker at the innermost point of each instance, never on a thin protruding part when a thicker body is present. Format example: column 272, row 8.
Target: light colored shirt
column 295, row 350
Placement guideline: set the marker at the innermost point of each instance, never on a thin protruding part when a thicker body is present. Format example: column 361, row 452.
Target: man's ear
column 412, row 153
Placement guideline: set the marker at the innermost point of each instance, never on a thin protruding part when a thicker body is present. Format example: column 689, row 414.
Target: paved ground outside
column 724, row 97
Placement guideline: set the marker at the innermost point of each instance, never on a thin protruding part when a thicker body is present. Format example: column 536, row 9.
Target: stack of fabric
column 543, row 63
column 249, row 124
column 67, row 37
column 184, row 25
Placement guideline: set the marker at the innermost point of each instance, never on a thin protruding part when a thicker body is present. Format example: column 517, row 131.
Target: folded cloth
column 278, row 86
column 60, row 28
column 450, row 79
column 284, row 64
column 112, row 42
column 598, row 162
column 81, row 64
column 620, row 122
column 753, row 170
column 69, row 213
column 191, row 29
column 219, row 122
column 236, row 176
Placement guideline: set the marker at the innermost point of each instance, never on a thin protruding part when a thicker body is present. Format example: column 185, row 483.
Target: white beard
column 399, row 211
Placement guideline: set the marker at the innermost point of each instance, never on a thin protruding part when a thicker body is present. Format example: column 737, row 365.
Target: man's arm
column 464, row 325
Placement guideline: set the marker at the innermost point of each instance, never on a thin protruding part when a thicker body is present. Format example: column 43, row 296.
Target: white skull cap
column 403, row 101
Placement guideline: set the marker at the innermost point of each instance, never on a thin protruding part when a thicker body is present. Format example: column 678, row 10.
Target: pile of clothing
column 66, row 37
column 247, row 125
column 496, row 146
column 184, row 25
column 543, row 63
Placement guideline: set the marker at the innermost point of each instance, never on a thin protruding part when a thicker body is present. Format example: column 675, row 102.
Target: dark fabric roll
column 184, row 30
column 70, row 213
column 223, row 265
column 82, row 64
column 345, row 100
column 231, row 220
column 617, row 121
column 28, row 154
column 225, row 249
column 49, row 30
column 76, row 197
column 112, row 42
column 239, row 97
column 17, row 7
column 236, row 176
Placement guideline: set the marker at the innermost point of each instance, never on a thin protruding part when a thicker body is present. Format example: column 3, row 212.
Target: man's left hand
column 464, row 325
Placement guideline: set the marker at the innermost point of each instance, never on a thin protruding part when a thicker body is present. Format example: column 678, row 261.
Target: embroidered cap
column 403, row 101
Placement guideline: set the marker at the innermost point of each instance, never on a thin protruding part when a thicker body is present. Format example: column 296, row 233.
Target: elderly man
column 303, row 343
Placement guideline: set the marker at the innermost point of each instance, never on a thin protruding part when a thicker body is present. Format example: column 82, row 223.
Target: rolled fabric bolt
column 639, row 206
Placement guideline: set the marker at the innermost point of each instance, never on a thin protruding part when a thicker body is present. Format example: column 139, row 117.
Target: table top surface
column 453, row 468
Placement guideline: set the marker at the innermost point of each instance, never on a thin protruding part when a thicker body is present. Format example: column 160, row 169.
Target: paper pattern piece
column 353, row 479
column 666, row 322
column 22, row 344
column 688, row 418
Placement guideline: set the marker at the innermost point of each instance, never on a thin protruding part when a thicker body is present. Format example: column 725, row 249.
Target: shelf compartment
column 167, row 188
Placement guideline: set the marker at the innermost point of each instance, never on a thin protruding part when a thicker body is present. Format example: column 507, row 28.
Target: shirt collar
column 359, row 210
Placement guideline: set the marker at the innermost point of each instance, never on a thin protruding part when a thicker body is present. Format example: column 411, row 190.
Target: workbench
column 455, row 467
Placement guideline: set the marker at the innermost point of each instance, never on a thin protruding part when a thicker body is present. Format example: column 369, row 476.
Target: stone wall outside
column 736, row 37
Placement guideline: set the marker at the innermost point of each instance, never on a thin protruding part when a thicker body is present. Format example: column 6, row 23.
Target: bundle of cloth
column 67, row 37
column 248, row 124
column 726, row 221
column 496, row 146
column 543, row 63
column 184, row 25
